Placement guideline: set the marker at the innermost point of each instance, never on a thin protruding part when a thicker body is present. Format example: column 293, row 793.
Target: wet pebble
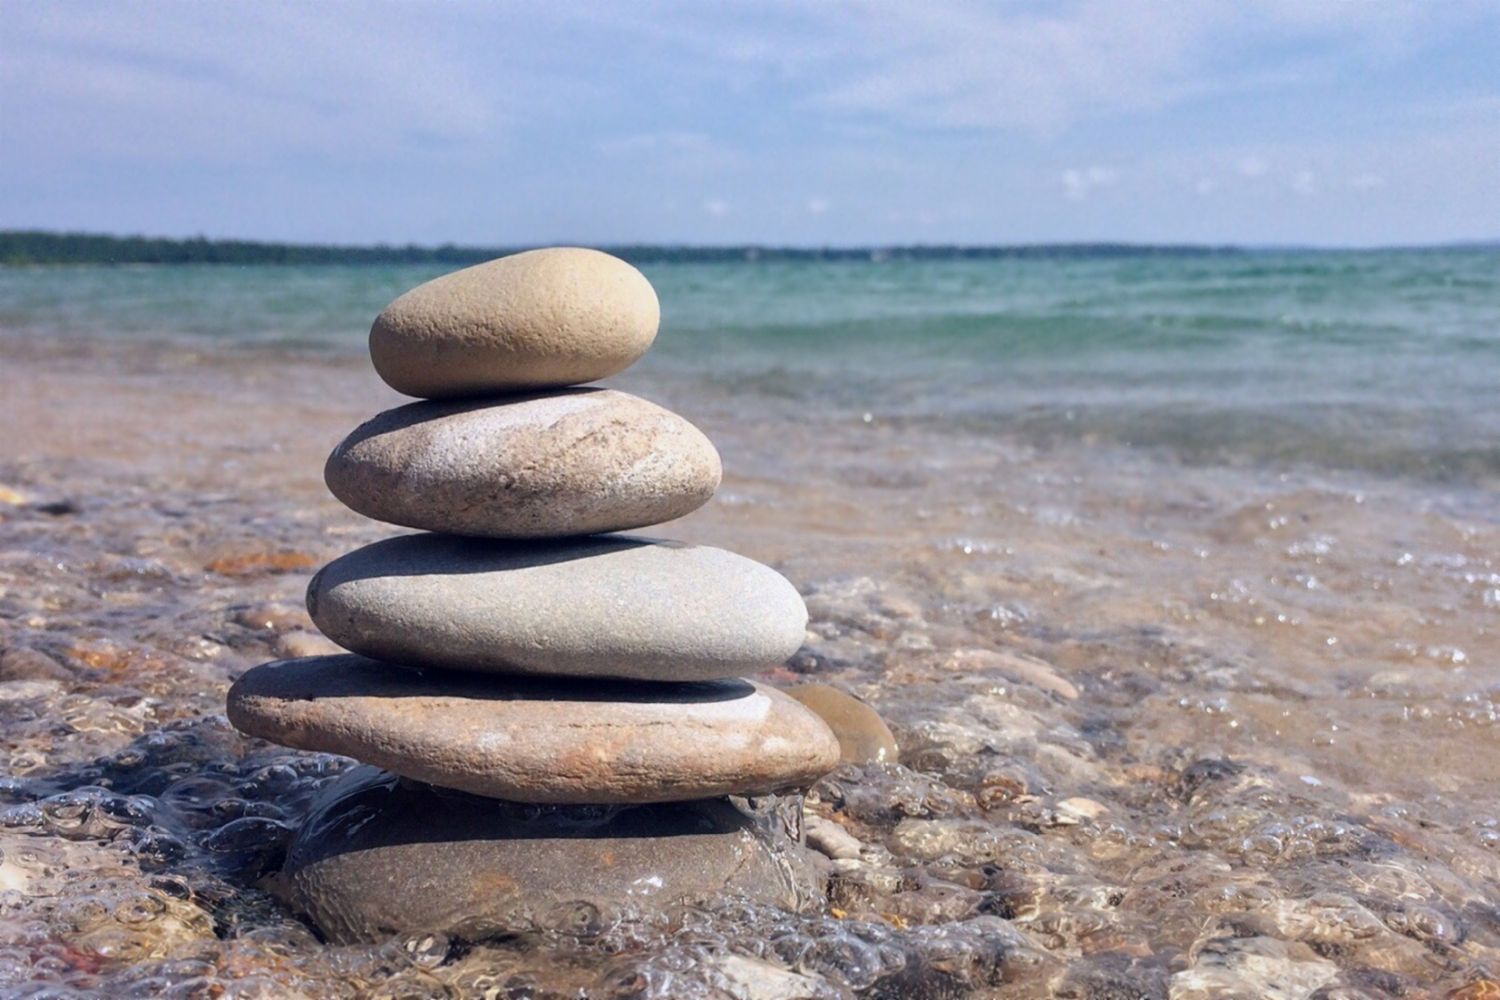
column 863, row 735
column 1251, row 966
column 381, row 856
column 1016, row 666
column 294, row 645
column 828, row 838
column 259, row 562
column 22, row 663
column 752, row 979
column 272, row 616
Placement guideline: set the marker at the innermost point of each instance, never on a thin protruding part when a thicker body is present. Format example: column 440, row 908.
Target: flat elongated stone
column 606, row 606
column 539, row 742
column 570, row 462
column 552, row 317
column 379, row 856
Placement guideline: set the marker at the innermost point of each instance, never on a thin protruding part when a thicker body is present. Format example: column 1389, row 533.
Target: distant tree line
column 28, row 247
column 20, row 248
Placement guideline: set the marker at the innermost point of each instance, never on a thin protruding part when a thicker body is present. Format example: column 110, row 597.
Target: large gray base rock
column 380, row 855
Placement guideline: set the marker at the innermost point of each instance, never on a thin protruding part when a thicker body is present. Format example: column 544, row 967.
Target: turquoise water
column 1381, row 361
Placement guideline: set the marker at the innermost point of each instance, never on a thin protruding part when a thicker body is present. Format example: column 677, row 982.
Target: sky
column 805, row 122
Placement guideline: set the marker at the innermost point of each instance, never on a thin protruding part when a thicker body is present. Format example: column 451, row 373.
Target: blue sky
column 811, row 123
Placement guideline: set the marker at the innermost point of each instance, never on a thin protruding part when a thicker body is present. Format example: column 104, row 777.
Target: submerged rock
column 752, row 979
column 21, row 663
column 1227, row 965
column 831, row 840
column 532, row 741
column 380, row 856
column 572, row 462
column 609, row 606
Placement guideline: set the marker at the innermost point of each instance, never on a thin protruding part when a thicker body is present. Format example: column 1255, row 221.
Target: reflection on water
column 1211, row 728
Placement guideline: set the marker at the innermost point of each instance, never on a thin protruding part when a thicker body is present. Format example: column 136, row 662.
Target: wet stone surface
column 380, row 855
column 524, row 740
column 1132, row 762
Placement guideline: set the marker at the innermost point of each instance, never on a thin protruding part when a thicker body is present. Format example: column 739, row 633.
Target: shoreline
column 1100, row 665
column 182, row 362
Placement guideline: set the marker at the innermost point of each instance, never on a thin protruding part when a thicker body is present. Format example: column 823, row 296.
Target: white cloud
column 331, row 75
column 1079, row 182
column 715, row 207
column 1305, row 182
column 230, row 81
column 965, row 65
column 817, row 206
column 1366, row 181
column 1205, row 186
column 1045, row 67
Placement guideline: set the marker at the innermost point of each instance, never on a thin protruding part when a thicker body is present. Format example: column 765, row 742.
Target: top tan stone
column 533, row 320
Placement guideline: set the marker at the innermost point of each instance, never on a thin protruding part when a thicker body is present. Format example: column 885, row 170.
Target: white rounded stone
column 570, row 462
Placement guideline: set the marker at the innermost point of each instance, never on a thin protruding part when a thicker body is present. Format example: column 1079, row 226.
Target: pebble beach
column 1192, row 668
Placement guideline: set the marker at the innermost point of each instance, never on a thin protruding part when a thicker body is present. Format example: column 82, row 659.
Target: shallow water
column 1377, row 361
column 1187, row 720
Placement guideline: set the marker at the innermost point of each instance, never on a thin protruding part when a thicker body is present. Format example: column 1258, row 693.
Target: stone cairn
column 553, row 713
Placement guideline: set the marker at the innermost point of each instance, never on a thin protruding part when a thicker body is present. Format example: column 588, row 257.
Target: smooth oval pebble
column 530, row 741
column 862, row 734
column 603, row 606
column 552, row 317
column 571, row 462
column 380, row 856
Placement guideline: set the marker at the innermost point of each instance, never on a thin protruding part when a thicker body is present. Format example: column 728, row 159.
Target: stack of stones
column 552, row 713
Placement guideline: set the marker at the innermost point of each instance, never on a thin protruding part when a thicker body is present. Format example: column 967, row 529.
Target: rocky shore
column 1132, row 762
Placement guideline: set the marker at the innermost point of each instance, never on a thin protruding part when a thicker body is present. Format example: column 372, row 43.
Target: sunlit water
column 1385, row 361
column 1178, row 580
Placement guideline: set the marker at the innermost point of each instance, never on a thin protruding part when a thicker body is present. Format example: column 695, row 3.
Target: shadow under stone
column 350, row 675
